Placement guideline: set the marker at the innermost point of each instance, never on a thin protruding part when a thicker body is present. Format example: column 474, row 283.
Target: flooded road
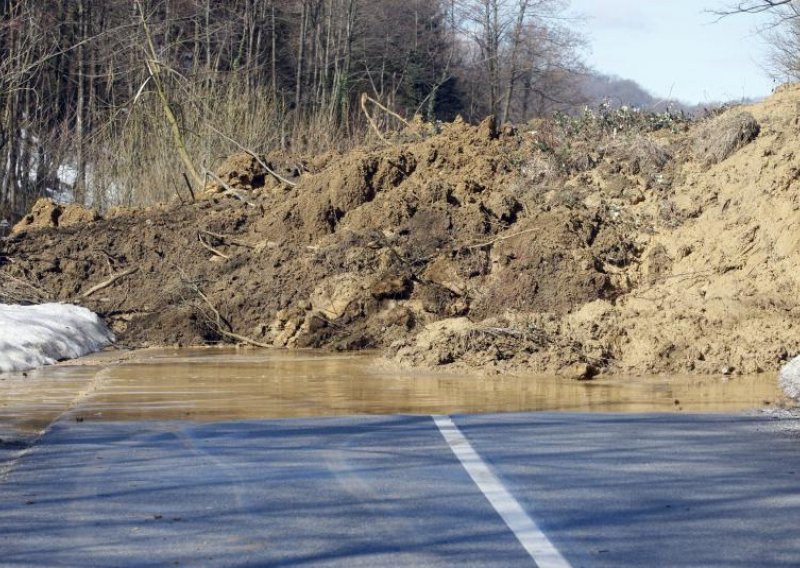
column 229, row 458
column 213, row 384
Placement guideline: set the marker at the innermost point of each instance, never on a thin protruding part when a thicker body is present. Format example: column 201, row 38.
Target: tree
column 784, row 40
column 522, row 58
column 25, row 49
column 782, row 33
column 113, row 102
column 753, row 7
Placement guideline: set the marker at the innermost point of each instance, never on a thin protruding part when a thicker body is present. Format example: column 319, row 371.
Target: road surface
column 597, row 489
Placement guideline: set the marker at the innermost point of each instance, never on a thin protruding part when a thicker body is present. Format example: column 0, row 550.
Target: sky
column 676, row 49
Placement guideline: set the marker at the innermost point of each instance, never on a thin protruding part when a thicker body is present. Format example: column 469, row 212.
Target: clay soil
column 661, row 250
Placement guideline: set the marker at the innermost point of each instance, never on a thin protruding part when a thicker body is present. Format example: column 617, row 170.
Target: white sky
column 675, row 48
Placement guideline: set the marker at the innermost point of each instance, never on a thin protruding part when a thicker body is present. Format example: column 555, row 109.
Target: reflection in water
column 227, row 384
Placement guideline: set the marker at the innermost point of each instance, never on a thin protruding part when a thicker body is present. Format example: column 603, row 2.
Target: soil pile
column 47, row 213
column 648, row 250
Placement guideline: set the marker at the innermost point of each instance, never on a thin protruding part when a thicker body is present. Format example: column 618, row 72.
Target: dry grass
column 640, row 154
column 134, row 161
column 723, row 136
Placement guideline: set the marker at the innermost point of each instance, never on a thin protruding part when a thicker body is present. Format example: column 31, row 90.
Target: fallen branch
column 364, row 99
column 229, row 240
column 247, row 340
column 484, row 244
column 255, row 156
column 498, row 239
column 109, row 282
column 228, row 189
column 220, row 320
column 211, row 249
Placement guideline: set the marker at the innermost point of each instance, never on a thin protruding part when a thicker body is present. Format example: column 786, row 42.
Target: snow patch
column 789, row 378
column 32, row 336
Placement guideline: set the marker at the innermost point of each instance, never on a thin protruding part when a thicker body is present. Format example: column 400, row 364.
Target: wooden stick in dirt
column 220, row 319
column 364, row 99
column 244, row 339
column 228, row 189
column 227, row 239
column 109, row 282
column 211, row 249
column 498, row 239
column 189, row 185
column 255, row 156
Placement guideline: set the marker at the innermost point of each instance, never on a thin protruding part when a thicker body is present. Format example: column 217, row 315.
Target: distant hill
column 598, row 88
column 617, row 91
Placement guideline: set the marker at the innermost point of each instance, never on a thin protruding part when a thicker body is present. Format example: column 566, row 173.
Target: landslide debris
column 721, row 137
column 616, row 243
column 47, row 213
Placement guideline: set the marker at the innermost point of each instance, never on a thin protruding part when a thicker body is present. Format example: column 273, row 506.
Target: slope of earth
column 574, row 250
column 725, row 295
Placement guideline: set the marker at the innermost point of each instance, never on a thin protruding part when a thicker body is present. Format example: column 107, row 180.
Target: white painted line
column 524, row 528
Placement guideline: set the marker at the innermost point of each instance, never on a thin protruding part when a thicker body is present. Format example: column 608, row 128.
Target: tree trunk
column 79, row 187
column 515, row 44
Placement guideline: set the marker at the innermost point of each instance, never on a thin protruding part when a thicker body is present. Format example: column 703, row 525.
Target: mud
column 231, row 384
column 527, row 248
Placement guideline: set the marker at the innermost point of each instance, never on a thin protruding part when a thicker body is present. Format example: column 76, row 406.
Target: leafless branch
column 109, row 282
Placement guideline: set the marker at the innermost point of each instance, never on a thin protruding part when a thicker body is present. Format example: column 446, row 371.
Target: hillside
column 598, row 88
column 613, row 244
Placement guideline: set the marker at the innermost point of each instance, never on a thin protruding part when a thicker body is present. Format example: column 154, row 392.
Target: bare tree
column 523, row 57
column 782, row 33
column 111, row 101
column 753, row 7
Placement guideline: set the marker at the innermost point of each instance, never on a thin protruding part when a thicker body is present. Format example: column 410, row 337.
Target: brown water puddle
column 228, row 384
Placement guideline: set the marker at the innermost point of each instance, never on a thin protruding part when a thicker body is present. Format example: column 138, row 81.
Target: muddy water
column 218, row 384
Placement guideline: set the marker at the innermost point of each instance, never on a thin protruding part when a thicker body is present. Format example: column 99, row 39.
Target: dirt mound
column 666, row 248
column 250, row 172
column 47, row 213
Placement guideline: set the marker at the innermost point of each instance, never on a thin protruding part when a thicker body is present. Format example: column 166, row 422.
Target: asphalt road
column 606, row 490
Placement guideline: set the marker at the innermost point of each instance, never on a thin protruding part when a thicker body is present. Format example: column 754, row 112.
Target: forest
column 120, row 102
column 113, row 102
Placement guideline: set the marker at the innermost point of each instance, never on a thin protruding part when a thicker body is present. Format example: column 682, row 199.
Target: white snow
column 32, row 336
column 789, row 378
column 66, row 174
